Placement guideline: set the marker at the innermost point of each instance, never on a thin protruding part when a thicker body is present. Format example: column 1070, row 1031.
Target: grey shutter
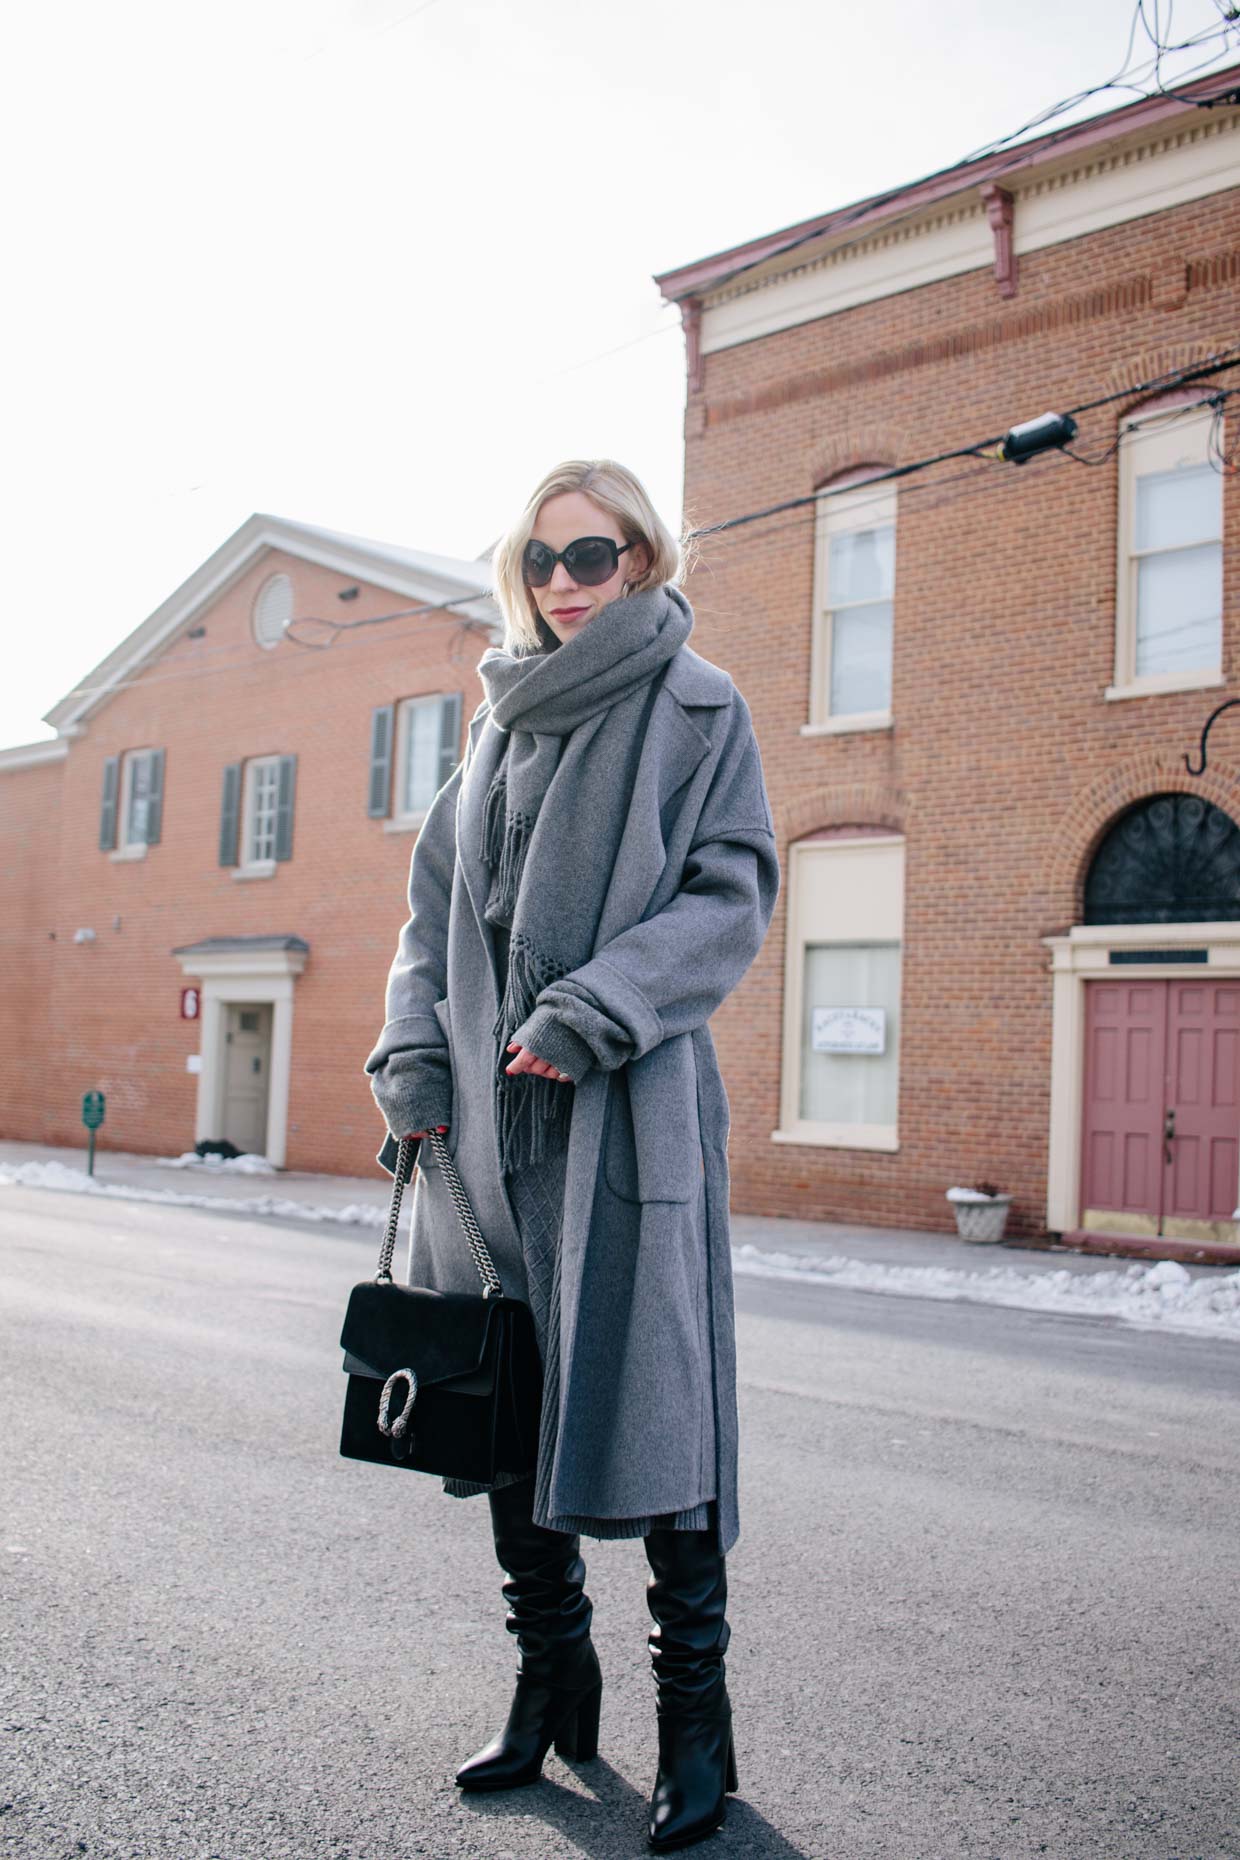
column 230, row 807
column 107, row 810
column 379, row 800
column 284, row 807
column 155, row 798
column 449, row 735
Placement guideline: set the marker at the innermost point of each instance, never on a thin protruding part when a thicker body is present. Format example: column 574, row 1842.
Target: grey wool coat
column 647, row 1388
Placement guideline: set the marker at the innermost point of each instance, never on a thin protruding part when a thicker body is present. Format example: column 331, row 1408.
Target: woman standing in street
column 593, row 880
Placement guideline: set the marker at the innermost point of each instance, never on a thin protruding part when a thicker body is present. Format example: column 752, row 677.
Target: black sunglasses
column 591, row 561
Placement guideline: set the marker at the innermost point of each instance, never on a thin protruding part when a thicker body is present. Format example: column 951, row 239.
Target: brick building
column 1007, row 947
column 1010, row 921
column 224, row 825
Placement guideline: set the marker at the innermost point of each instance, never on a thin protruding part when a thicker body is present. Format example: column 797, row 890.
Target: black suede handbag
column 440, row 1382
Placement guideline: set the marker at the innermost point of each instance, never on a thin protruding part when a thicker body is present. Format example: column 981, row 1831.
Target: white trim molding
column 1080, row 956
column 240, row 969
column 30, row 755
column 1143, row 171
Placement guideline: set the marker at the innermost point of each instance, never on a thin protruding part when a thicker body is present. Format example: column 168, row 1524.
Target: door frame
column 245, row 977
column 1079, row 957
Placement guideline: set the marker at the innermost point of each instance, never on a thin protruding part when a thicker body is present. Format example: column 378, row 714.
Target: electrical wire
column 987, row 467
column 939, row 493
column 336, row 627
column 1228, row 358
column 865, row 208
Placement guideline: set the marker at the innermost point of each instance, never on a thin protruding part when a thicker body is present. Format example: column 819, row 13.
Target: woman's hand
column 526, row 1061
column 442, row 1128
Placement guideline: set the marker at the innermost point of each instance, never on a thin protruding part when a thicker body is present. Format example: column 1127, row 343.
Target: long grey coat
column 647, row 1421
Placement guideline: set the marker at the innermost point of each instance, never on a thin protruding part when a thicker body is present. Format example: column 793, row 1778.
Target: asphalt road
column 984, row 1602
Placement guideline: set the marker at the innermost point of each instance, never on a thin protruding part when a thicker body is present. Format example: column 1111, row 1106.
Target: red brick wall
column 30, row 939
column 1004, row 761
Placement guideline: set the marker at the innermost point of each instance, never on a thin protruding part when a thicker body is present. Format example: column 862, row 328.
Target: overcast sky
column 378, row 264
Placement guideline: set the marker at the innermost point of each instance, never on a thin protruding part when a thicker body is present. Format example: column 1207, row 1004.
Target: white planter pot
column 979, row 1218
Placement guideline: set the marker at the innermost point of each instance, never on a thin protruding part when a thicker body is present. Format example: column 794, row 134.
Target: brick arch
column 855, row 804
column 1092, row 810
column 854, row 446
column 1148, row 364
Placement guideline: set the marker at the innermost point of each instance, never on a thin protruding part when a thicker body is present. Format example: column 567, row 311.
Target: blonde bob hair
column 615, row 489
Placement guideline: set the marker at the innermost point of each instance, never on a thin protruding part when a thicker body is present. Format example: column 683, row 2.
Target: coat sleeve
column 668, row 974
column 409, row 1066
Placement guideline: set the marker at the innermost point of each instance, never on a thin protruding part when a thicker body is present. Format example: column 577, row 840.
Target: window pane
column 850, row 1088
column 420, row 776
column 861, row 565
column 266, row 789
column 861, row 659
column 1177, row 507
column 1179, row 610
column 139, row 800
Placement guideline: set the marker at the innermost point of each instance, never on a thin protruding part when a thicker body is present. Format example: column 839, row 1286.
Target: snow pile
column 246, row 1164
column 1162, row 1296
column 74, row 1182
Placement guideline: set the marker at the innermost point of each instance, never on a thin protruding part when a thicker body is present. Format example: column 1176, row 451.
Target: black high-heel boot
column 687, row 1596
column 559, row 1685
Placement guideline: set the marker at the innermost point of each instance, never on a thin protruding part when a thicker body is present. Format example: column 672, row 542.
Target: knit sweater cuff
column 412, row 1094
column 546, row 1036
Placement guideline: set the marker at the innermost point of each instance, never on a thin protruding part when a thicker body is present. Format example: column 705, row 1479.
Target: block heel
column 577, row 1737
column 732, row 1781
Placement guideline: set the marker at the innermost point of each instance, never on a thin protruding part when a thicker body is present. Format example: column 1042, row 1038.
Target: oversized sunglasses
column 591, row 561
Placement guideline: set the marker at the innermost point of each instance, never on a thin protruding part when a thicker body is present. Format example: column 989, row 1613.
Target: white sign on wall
column 849, row 1030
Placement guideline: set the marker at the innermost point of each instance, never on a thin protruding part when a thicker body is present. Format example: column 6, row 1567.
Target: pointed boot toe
column 542, row 1714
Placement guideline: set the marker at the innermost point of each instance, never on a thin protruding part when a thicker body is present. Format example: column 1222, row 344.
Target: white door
column 247, row 1075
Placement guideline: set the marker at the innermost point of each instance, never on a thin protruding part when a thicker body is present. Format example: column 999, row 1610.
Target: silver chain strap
column 491, row 1281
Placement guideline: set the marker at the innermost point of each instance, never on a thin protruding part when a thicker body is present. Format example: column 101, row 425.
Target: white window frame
column 861, row 505
column 125, row 847
column 248, row 865
column 870, row 909
column 405, row 707
column 1157, row 439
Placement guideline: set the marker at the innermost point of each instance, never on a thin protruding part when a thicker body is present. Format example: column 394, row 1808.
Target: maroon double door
column 1161, row 1139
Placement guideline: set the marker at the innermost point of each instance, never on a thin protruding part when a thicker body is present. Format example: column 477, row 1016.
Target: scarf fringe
column 505, row 843
column 532, row 1114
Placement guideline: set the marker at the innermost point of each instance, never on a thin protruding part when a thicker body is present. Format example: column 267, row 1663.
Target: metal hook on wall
column 1209, row 720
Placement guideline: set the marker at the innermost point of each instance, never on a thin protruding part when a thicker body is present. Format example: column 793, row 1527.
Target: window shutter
column 230, row 808
column 379, row 801
column 107, row 811
column 449, row 735
column 155, row 798
column 284, row 807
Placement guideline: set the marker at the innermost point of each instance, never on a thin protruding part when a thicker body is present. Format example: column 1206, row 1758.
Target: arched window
column 1169, row 585
column 1171, row 859
column 854, row 590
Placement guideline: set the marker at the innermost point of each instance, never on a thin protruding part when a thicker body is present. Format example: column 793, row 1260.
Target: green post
column 93, row 1107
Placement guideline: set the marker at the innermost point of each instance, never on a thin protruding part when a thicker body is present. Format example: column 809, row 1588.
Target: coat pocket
column 652, row 1150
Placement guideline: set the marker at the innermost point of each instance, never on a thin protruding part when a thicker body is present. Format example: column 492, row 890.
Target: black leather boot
column 687, row 1594
column 559, row 1685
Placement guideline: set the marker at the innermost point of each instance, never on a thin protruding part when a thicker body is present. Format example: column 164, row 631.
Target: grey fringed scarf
column 554, row 815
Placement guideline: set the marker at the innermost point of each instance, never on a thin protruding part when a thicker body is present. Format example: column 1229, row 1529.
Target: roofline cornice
column 222, row 569
column 30, row 755
column 1132, row 119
